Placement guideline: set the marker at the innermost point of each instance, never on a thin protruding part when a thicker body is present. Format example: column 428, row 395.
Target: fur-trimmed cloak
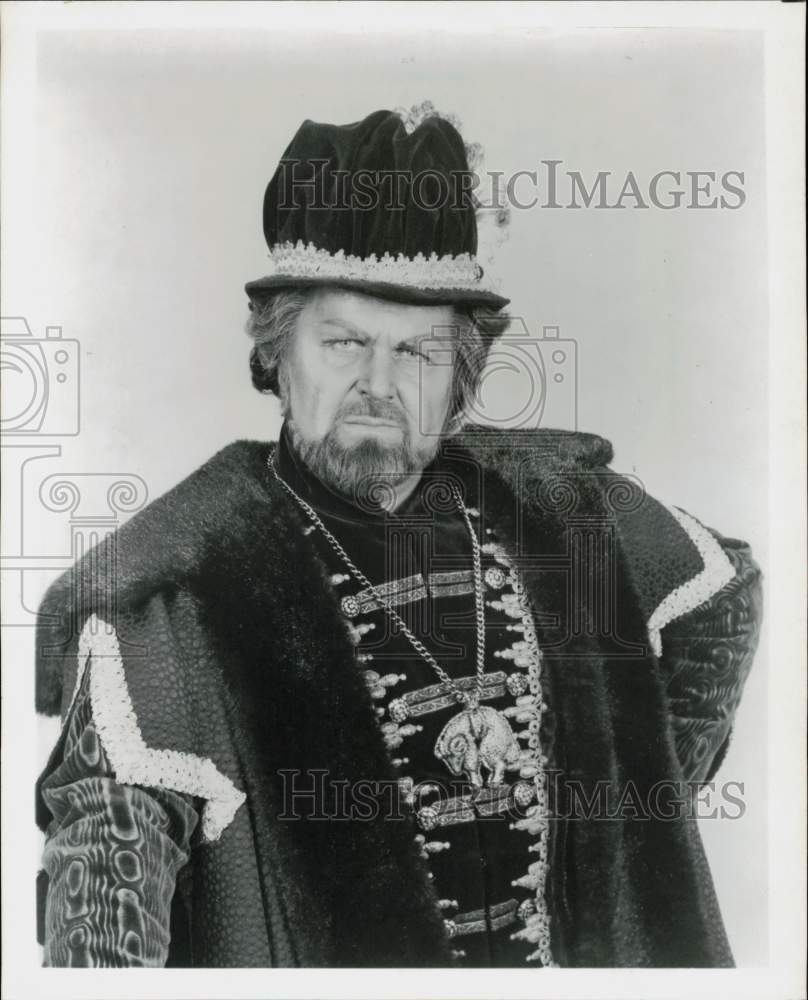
column 233, row 651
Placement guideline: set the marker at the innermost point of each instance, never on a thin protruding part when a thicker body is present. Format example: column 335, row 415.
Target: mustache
column 368, row 407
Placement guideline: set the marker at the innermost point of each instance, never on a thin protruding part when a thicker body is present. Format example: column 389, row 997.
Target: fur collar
column 164, row 544
column 625, row 893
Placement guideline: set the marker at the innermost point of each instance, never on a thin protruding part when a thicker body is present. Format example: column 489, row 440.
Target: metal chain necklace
column 471, row 699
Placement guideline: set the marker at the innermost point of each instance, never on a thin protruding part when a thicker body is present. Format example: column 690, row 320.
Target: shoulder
column 519, row 454
column 163, row 543
column 160, row 549
column 675, row 562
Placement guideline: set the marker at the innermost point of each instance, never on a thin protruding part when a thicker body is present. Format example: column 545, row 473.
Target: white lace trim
column 135, row 763
column 717, row 572
column 536, row 822
column 305, row 260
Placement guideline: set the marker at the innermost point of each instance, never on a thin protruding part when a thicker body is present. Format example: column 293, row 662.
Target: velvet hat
column 382, row 206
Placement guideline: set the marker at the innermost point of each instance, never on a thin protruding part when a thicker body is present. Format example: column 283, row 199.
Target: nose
column 376, row 378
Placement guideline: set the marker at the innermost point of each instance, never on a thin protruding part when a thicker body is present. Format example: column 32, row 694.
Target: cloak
column 218, row 656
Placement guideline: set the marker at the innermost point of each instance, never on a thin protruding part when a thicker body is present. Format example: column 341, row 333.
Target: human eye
column 412, row 352
column 344, row 345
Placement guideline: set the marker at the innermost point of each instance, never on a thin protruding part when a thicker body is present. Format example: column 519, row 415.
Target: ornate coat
column 201, row 649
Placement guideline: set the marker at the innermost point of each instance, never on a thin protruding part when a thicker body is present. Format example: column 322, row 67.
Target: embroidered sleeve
column 112, row 855
column 706, row 656
column 125, row 735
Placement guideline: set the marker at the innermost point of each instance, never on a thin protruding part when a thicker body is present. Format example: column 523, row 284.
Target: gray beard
column 366, row 472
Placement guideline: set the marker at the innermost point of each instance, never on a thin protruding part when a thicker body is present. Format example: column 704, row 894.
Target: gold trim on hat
column 305, row 260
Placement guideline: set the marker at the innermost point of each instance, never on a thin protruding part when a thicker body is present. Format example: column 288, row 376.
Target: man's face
column 367, row 386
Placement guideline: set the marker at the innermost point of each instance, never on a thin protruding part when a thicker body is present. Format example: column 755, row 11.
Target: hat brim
column 383, row 290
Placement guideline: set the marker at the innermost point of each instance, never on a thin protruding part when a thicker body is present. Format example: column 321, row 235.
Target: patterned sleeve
column 706, row 657
column 112, row 855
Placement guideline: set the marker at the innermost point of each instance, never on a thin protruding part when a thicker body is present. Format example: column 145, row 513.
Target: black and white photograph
column 403, row 528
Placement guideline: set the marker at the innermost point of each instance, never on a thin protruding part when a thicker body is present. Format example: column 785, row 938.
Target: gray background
column 153, row 150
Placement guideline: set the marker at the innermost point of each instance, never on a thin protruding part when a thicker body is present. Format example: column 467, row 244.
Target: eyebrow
column 342, row 326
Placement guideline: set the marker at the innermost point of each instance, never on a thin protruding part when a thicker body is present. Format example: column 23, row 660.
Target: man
column 394, row 692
